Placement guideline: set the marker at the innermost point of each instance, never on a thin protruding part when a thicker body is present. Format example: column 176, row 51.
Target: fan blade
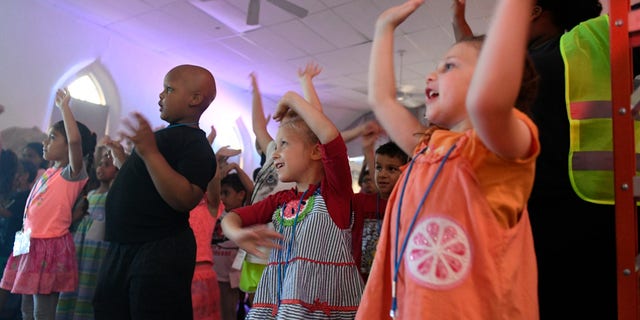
column 254, row 12
column 290, row 7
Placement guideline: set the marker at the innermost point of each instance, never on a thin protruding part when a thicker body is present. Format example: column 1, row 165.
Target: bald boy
column 147, row 271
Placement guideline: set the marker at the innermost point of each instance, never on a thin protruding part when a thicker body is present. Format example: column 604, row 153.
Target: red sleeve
column 336, row 185
column 262, row 211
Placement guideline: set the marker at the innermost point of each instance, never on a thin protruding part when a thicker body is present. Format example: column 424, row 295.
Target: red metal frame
column 624, row 159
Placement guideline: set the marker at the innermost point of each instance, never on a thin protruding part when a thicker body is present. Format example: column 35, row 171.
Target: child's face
column 447, row 86
column 106, row 171
column 176, row 97
column 368, row 185
column 387, row 173
column 54, row 146
column 21, row 179
column 230, row 198
column 32, row 156
column 293, row 154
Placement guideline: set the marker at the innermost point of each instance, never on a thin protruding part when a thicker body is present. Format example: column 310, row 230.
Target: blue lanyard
column 397, row 257
column 283, row 265
column 378, row 213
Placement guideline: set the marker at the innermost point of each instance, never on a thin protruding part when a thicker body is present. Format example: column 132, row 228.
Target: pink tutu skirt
column 50, row 266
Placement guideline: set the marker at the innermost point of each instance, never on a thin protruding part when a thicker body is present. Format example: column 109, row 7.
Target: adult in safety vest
column 586, row 55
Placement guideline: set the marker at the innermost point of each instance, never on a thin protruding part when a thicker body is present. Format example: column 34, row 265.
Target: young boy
column 368, row 208
column 147, row 271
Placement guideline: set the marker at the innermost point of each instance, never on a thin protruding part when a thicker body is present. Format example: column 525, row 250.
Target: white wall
column 41, row 47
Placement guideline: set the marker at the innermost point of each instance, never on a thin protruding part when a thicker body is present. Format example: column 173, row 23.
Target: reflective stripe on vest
column 585, row 51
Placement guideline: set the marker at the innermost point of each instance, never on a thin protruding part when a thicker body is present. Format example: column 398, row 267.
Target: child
column 33, row 152
column 149, row 265
column 49, row 265
column 312, row 273
column 205, row 294
column 369, row 208
column 90, row 246
column 456, row 240
column 233, row 194
column 557, row 247
column 16, row 177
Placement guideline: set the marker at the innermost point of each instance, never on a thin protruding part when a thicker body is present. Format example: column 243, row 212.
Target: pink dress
column 50, row 266
column 205, row 294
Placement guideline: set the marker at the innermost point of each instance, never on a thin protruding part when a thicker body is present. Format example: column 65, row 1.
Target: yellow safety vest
column 586, row 55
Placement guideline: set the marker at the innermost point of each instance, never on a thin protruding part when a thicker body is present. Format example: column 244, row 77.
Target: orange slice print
column 438, row 253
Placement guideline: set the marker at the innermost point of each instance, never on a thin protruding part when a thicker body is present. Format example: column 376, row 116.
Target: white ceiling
column 336, row 34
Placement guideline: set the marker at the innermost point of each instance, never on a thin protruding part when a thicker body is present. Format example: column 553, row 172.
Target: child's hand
column 115, row 151
column 254, row 81
column 62, row 98
column 458, row 7
column 311, row 70
column 394, row 16
column 226, row 152
column 284, row 105
column 141, row 135
column 369, row 139
column 251, row 238
column 212, row 135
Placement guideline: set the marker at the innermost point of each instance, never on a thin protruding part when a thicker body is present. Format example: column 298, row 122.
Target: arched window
column 94, row 97
column 86, row 88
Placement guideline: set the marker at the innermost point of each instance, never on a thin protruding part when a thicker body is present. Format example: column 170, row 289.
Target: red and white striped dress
column 314, row 275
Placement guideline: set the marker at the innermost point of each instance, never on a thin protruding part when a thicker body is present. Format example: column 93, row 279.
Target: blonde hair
column 294, row 121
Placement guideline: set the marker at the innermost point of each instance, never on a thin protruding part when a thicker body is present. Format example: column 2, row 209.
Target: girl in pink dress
column 43, row 262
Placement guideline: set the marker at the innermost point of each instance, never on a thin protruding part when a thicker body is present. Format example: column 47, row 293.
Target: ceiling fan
column 253, row 14
column 405, row 93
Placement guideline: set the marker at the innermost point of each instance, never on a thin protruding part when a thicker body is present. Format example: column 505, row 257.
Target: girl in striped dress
column 90, row 247
column 311, row 274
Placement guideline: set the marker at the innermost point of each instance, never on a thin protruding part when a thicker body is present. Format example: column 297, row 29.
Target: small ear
column 316, row 153
column 196, row 99
column 537, row 11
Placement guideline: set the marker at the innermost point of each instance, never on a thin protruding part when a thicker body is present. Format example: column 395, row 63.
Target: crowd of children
column 175, row 230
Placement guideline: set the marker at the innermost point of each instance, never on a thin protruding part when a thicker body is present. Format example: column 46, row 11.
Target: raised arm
column 74, row 140
column 315, row 119
column 306, row 76
column 369, row 139
column 258, row 119
column 401, row 126
column 461, row 28
column 496, row 81
column 246, row 181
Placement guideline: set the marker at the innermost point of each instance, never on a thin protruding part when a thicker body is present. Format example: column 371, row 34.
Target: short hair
column 293, row 120
column 36, row 147
column 363, row 174
column 392, row 150
column 233, row 181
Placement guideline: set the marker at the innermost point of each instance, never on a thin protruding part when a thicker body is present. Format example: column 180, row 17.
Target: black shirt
column 135, row 211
